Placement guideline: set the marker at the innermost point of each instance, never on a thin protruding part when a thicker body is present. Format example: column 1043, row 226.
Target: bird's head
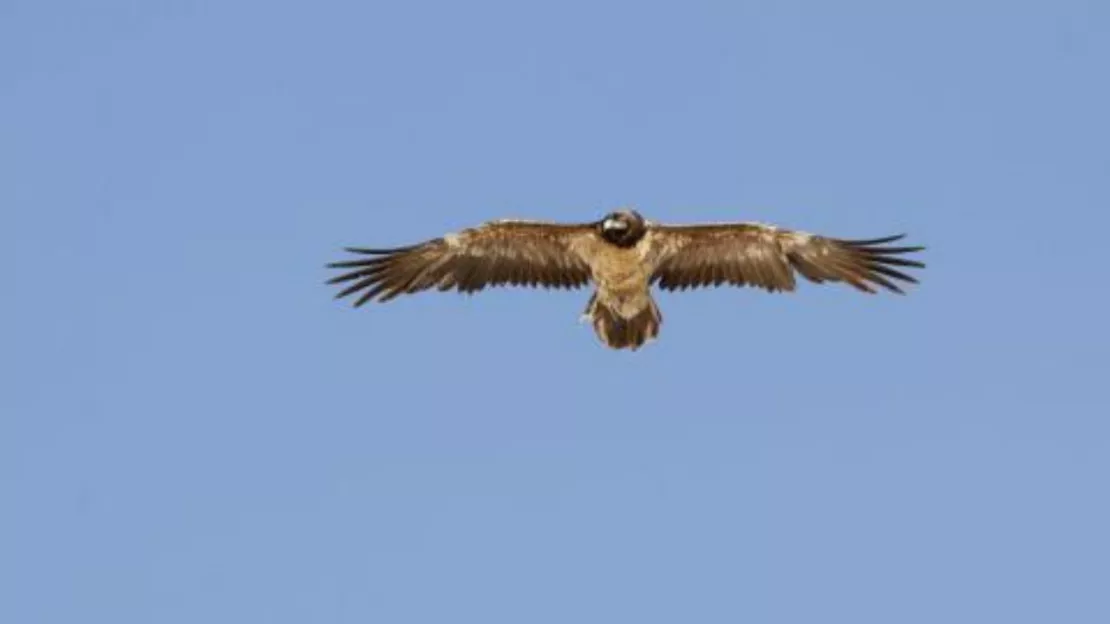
column 624, row 227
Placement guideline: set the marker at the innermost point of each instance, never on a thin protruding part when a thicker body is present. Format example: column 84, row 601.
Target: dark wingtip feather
column 379, row 251
column 889, row 285
column 897, row 261
column 344, row 264
column 893, row 250
column 346, row 277
column 865, row 242
column 357, row 286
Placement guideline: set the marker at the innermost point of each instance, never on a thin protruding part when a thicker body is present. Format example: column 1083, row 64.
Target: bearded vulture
column 624, row 255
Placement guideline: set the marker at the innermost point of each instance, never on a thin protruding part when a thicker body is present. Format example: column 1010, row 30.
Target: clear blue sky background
column 194, row 431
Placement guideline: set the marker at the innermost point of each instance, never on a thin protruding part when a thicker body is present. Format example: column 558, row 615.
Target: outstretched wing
column 496, row 253
column 753, row 254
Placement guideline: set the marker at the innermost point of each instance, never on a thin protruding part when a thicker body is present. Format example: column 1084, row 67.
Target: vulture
column 623, row 256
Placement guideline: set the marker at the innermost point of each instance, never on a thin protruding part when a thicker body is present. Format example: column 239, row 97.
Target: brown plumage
column 623, row 256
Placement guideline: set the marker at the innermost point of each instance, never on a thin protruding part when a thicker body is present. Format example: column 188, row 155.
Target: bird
column 624, row 256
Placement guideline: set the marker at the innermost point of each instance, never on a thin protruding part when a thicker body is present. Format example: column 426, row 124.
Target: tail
column 618, row 332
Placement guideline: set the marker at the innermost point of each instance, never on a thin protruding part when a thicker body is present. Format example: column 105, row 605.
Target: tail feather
column 618, row 332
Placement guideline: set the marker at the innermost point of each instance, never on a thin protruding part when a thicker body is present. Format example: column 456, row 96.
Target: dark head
column 623, row 228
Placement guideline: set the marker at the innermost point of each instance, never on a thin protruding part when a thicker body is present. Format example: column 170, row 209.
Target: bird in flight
column 624, row 256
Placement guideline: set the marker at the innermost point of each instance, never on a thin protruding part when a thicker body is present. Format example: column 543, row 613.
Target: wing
column 753, row 254
column 496, row 253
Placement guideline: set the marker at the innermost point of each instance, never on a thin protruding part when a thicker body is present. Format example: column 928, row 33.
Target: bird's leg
column 587, row 315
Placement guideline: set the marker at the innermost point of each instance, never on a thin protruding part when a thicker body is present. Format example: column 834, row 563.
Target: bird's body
column 623, row 256
column 621, row 308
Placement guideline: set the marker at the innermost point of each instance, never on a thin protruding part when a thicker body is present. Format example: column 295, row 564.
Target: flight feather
column 764, row 256
column 496, row 253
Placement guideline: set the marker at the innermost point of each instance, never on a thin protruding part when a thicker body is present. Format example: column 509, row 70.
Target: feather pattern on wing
column 496, row 253
column 754, row 254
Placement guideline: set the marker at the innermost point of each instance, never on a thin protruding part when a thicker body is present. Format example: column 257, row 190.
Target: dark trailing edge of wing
column 381, row 251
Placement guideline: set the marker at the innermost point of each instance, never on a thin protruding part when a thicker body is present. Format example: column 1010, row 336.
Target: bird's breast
column 622, row 281
column 619, row 268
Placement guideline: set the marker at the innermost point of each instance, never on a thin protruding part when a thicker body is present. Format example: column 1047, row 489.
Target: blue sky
column 192, row 429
